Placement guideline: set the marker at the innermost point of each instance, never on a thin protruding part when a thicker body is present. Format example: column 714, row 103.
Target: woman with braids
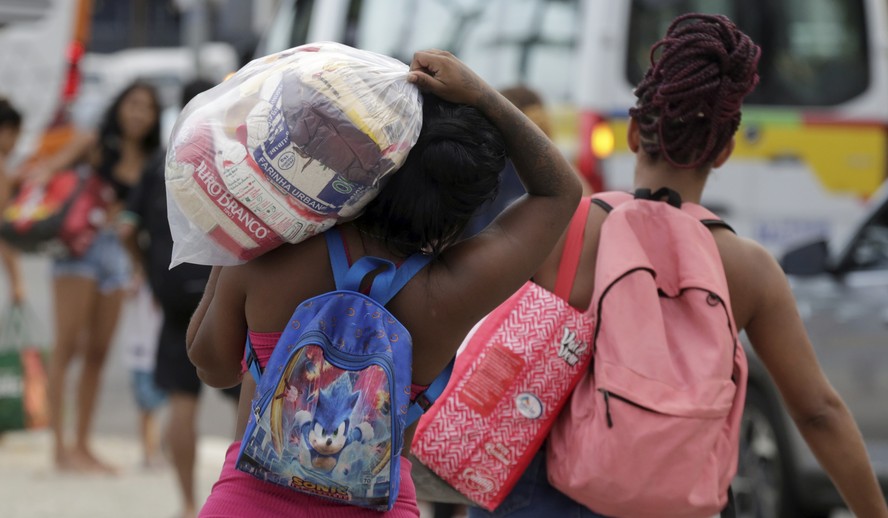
column 468, row 128
column 681, row 128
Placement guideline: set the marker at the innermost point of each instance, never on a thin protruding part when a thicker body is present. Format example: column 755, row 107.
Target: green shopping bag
column 23, row 380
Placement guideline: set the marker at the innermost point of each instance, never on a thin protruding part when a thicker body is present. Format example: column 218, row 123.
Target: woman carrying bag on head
column 467, row 129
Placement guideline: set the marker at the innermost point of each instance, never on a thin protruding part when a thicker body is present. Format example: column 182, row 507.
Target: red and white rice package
column 290, row 145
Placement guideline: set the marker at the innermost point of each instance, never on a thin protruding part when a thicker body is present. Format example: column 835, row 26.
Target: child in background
column 140, row 326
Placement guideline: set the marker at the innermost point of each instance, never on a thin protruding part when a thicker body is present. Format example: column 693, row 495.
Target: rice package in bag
column 287, row 147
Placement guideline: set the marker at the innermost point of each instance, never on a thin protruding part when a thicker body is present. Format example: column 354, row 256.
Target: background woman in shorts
column 89, row 290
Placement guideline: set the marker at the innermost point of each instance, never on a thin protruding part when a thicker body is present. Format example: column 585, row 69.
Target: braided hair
column 689, row 100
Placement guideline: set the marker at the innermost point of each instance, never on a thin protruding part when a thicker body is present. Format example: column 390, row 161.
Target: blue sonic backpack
column 331, row 406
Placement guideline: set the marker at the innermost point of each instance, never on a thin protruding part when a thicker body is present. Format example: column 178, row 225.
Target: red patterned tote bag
column 512, row 377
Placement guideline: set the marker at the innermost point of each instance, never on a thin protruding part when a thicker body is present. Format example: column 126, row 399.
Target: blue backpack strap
column 408, row 269
column 386, row 284
column 338, row 257
column 427, row 398
column 350, row 277
column 341, row 270
column 252, row 360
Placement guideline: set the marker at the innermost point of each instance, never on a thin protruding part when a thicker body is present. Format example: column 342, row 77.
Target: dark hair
column 194, row 87
column 9, row 116
column 450, row 172
column 110, row 131
column 689, row 100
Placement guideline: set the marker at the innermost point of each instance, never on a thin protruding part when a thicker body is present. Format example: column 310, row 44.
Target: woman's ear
column 724, row 155
column 633, row 136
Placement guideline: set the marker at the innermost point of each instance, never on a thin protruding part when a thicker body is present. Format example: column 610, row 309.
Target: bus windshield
column 814, row 52
column 508, row 42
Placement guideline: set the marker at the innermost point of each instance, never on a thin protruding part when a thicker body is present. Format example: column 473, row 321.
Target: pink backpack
column 652, row 430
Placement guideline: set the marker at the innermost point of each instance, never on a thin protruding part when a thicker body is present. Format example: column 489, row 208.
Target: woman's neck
column 651, row 174
column 372, row 244
column 131, row 147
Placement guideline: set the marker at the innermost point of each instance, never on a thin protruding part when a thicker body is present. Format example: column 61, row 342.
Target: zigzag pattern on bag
column 507, row 394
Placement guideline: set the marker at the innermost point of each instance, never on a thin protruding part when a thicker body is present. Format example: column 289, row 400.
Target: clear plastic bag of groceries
column 290, row 145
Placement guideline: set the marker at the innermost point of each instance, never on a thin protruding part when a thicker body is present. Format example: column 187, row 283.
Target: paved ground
column 29, row 488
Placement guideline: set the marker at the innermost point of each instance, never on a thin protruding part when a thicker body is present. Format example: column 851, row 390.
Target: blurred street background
column 61, row 64
column 807, row 180
column 31, row 488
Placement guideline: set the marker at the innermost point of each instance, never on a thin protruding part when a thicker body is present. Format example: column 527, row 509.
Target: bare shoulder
column 737, row 249
column 276, row 282
column 752, row 273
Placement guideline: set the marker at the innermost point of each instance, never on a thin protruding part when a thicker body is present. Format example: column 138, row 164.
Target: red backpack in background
column 652, row 430
column 61, row 217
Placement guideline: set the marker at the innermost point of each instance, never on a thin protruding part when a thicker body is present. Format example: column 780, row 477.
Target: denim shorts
column 106, row 261
column 533, row 497
column 148, row 395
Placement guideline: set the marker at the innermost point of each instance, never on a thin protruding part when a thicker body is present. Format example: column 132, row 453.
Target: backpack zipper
column 607, row 408
column 608, row 394
column 341, row 361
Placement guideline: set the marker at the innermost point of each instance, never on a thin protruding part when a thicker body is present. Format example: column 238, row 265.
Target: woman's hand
column 486, row 269
column 441, row 73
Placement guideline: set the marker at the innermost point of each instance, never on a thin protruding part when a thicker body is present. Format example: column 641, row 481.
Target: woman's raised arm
column 506, row 254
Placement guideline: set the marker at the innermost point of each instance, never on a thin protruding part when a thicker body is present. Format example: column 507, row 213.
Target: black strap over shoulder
column 603, row 204
column 711, row 223
column 672, row 197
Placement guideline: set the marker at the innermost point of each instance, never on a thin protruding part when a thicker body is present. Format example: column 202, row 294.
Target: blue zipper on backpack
column 342, row 362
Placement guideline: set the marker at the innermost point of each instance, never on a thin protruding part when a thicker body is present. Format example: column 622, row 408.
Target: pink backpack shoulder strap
column 609, row 200
column 573, row 246
column 706, row 216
